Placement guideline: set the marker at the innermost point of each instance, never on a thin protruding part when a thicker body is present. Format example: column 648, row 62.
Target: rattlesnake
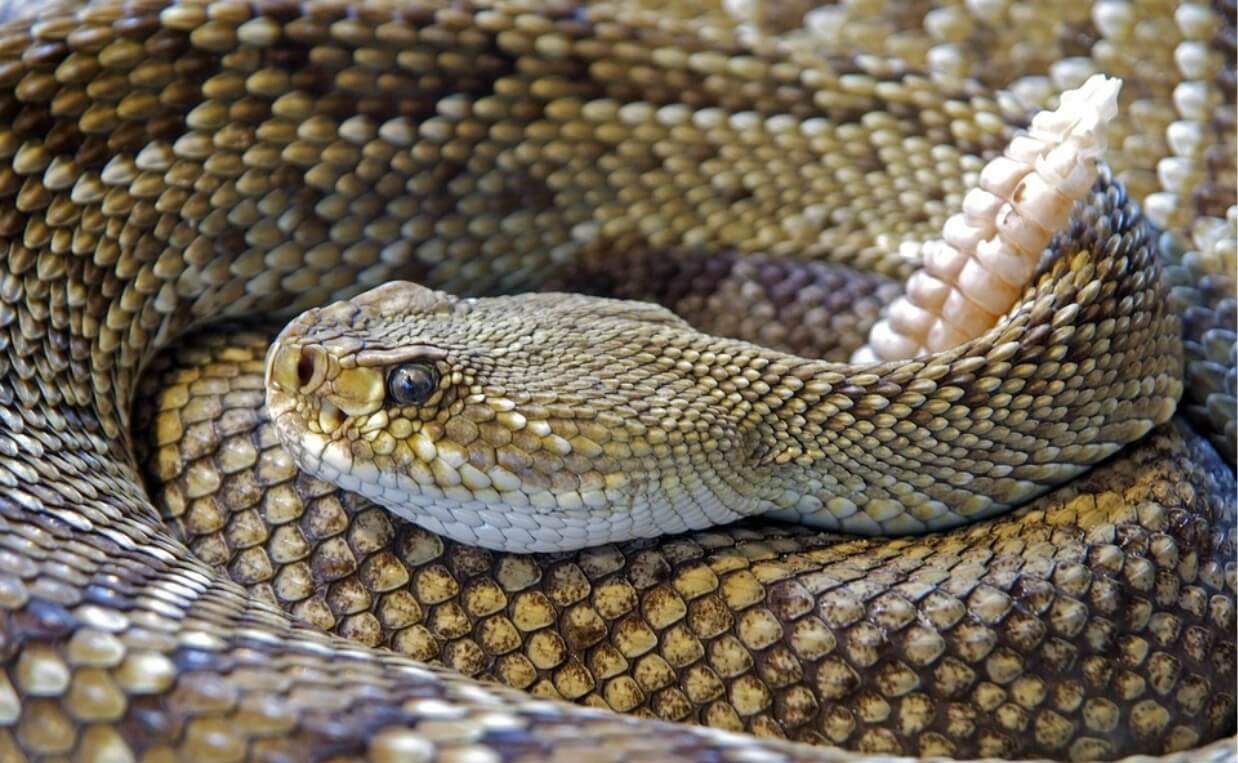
column 166, row 166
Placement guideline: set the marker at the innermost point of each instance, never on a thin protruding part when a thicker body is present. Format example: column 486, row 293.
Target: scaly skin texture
column 1058, row 631
column 1203, row 282
column 559, row 421
column 810, row 308
column 166, row 165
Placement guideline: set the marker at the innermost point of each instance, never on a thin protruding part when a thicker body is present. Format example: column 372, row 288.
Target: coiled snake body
column 166, row 165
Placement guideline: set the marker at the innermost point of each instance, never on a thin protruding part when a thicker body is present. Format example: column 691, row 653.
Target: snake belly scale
column 168, row 164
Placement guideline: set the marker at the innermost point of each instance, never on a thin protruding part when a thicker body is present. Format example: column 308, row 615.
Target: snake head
column 349, row 392
column 536, row 422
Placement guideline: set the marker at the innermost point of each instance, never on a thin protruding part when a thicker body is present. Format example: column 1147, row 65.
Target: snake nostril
column 305, row 369
column 297, row 369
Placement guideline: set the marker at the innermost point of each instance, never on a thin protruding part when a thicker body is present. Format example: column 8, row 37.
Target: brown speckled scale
column 809, row 308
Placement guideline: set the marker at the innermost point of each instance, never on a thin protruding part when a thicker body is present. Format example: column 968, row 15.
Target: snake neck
column 943, row 439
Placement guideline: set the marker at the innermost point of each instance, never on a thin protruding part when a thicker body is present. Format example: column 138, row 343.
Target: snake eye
column 412, row 383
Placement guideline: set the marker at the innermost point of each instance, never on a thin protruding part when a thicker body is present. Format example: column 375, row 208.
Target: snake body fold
column 168, row 164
